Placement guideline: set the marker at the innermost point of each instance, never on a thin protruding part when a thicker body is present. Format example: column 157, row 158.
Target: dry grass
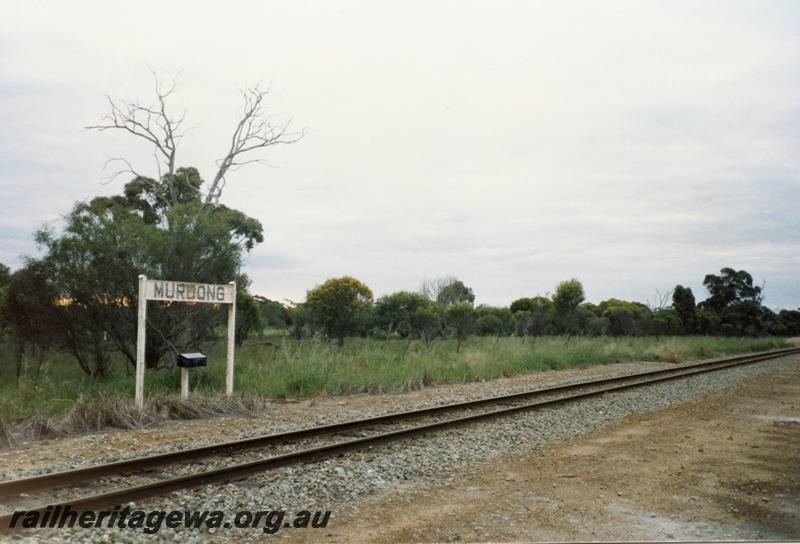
column 671, row 355
column 119, row 412
column 56, row 399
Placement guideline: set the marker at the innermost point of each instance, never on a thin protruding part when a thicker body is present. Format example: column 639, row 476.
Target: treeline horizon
column 167, row 228
column 76, row 297
column 345, row 306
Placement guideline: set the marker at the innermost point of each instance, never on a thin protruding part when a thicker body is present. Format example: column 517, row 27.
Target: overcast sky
column 632, row 145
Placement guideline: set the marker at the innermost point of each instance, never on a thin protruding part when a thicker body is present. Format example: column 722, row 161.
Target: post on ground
column 178, row 291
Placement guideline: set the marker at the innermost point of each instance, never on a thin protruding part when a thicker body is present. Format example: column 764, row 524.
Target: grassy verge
column 63, row 398
column 307, row 368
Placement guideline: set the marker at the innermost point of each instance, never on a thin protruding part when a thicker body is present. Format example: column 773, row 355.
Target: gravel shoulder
column 61, row 453
column 415, row 490
column 726, row 467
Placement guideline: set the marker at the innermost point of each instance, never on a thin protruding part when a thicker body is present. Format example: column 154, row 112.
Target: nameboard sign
column 184, row 291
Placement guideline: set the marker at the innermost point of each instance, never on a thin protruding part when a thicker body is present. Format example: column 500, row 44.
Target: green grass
column 309, row 367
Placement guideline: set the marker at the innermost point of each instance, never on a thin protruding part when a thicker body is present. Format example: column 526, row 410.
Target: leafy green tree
column 164, row 227
column 684, row 305
column 340, row 307
column 582, row 316
column 275, row 314
column 541, row 316
column 248, row 315
column 568, row 297
column 523, row 304
column 522, row 323
column 666, row 322
column 708, row 322
column 746, row 318
column 426, row 322
column 455, row 292
column 729, row 287
column 300, row 321
column 5, row 275
column 597, row 326
column 394, row 313
column 460, row 318
column 537, row 319
column 591, row 309
column 30, row 310
column 769, row 321
column 736, row 301
column 489, row 325
column 626, row 318
column 5, row 279
column 621, row 320
column 788, row 323
column 501, row 322
column 107, row 242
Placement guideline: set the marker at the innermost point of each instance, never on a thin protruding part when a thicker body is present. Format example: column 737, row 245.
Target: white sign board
column 184, row 291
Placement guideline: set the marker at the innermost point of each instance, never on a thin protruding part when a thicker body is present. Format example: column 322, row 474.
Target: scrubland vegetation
column 68, row 318
column 68, row 322
column 44, row 398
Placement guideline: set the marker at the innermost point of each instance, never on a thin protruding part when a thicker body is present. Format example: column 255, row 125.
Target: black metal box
column 191, row 360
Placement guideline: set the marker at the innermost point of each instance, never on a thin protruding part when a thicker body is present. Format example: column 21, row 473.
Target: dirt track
column 724, row 467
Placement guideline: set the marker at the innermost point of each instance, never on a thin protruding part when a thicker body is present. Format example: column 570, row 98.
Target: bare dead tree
column 759, row 297
column 254, row 131
column 152, row 123
column 662, row 301
column 432, row 288
column 157, row 125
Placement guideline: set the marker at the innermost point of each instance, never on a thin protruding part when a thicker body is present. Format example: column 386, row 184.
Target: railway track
column 109, row 484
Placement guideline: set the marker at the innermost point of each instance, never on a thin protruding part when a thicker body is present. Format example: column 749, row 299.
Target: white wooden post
column 173, row 291
column 184, row 383
column 231, row 340
column 140, row 341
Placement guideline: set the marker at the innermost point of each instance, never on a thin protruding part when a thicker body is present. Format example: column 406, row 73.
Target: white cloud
column 633, row 145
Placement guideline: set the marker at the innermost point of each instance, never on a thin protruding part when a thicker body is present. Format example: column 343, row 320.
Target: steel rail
column 135, row 464
column 239, row 471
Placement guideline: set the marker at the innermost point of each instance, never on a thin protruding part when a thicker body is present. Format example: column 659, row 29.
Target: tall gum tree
column 157, row 124
column 167, row 225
